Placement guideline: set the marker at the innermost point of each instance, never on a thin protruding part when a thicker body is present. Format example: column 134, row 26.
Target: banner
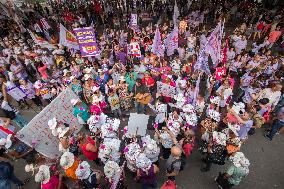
column 133, row 20
column 165, row 90
column 44, row 24
column 171, row 42
column 133, row 49
column 67, row 39
column 40, row 41
column 87, row 41
column 37, row 133
column 157, row 47
column 17, row 94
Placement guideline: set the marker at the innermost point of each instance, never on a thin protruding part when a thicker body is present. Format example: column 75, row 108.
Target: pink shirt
column 52, row 183
column 274, row 36
column 42, row 71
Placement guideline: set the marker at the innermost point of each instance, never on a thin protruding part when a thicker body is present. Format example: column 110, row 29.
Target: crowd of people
column 210, row 113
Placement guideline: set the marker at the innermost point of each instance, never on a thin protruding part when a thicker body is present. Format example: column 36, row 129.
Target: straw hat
column 215, row 100
column 30, row 168
column 74, row 101
column 111, row 168
column 132, row 151
column 188, row 108
column 214, row 115
column 67, row 160
column 239, row 160
column 43, row 174
column 52, row 123
column 219, row 138
column 83, row 170
column 6, row 141
column 191, row 119
column 143, row 162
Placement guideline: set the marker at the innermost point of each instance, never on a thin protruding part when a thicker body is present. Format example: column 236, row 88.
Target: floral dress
column 125, row 100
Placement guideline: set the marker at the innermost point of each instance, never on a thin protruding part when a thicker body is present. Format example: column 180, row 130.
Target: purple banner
column 87, row 41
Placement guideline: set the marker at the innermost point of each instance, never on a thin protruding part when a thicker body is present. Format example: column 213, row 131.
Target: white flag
column 37, row 28
column 176, row 14
column 67, row 38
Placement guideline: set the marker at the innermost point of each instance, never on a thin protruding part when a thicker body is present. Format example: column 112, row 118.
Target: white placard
column 137, row 124
column 133, row 20
column 38, row 130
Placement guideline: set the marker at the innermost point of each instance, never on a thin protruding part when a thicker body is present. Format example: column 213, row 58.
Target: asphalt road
column 266, row 170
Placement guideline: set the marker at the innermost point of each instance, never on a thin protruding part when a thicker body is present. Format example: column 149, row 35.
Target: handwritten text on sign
column 38, row 130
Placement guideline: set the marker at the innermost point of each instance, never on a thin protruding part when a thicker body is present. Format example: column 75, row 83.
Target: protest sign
column 87, row 41
column 133, row 49
column 137, row 124
column 133, row 20
column 165, row 90
column 37, row 133
column 220, row 72
column 17, row 94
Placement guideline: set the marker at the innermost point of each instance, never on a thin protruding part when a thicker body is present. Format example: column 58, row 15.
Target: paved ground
column 266, row 170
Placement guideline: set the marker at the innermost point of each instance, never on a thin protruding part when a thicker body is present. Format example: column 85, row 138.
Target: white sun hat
column 67, row 160
column 83, row 170
column 111, row 168
column 43, row 174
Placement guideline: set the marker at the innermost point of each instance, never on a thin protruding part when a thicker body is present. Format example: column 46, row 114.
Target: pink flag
column 213, row 46
column 171, row 42
column 157, row 47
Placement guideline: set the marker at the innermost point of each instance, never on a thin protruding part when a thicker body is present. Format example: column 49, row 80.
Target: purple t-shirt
column 121, row 56
column 243, row 132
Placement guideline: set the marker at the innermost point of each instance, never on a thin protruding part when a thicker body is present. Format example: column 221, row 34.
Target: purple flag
column 212, row 47
column 171, row 42
column 157, row 47
column 87, row 41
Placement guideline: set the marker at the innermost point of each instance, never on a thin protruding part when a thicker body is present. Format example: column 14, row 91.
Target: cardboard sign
column 165, row 90
column 38, row 132
column 17, row 94
column 137, row 124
